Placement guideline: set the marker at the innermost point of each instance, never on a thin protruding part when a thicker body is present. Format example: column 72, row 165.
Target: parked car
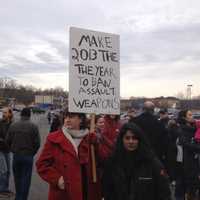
column 196, row 115
column 37, row 110
column 16, row 109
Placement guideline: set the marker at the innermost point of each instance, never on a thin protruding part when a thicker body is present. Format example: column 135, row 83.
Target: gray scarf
column 75, row 136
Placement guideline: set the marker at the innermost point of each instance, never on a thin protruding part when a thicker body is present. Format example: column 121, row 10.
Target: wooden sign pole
column 92, row 130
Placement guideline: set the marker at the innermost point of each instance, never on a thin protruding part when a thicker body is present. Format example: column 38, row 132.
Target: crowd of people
column 138, row 158
column 22, row 139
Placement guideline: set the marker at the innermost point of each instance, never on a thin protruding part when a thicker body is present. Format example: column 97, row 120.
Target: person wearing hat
column 65, row 161
column 23, row 141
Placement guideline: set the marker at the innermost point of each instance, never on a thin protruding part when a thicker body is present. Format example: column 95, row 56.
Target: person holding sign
column 65, row 161
column 133, row 172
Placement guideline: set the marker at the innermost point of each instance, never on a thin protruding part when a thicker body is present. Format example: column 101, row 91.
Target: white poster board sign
column 94, row 73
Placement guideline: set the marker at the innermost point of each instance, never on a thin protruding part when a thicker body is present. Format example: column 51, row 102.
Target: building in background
column 44, row 101
column 50, row 101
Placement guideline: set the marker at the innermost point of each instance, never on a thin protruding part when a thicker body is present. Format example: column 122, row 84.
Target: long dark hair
column 181, row 117
column 143, row 150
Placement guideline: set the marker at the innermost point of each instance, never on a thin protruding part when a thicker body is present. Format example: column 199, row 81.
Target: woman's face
column 130, row 141
column 189, row 117
column 7, row 114
column 100, row 123
column 72, row 122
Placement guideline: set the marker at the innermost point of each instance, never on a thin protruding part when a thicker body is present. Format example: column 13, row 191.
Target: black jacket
column 154, row 131
column 173, row 134
column 4, row 126
column 190, row 159
column 23, row 137
column 144, row 180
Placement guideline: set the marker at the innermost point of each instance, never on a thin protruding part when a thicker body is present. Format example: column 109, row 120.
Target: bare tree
column 9, row 89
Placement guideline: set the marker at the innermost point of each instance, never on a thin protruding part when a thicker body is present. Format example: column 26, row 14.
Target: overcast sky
column 160, row 41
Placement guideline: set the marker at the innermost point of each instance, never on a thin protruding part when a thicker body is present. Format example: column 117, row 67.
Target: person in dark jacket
column 154, row 131
column 49, row 117
column 191, row 168
column 56, row 123
column 133, row 172
column 164, row 117
column 4, row 152
column 173, row 134
column 24, row 141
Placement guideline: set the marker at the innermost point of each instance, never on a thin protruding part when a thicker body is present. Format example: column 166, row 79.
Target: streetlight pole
column 189, row 92
column 189, row 95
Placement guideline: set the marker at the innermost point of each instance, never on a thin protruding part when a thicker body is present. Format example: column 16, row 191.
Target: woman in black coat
column 133, row 172
column 191, row 168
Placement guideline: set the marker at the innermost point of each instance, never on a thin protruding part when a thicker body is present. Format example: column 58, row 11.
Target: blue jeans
column 22, row 170
column 4, row 177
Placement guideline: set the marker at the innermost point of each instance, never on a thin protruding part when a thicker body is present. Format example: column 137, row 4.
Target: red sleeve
column 105, row 147
column 45, row 163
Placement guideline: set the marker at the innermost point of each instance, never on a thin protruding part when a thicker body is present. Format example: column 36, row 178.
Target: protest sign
column 94, row 74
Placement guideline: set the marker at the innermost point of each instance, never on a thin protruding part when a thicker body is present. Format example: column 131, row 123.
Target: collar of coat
column 78, row 136
column 59, row 138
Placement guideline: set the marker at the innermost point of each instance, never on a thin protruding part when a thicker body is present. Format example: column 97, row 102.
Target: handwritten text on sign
column 94, row 72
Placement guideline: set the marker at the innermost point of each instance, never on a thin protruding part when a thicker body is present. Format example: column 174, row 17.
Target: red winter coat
column 59, row 158
column 112, row 128
column 197, row 133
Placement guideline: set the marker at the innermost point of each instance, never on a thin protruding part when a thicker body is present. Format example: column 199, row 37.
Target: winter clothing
column 49, row 117
column 147, row 182
column 4, row 126
column 24, row 141
column 190, row 161
column 164, row 122
column 23, row 137
column 197, row 133
column 26, row 112
column 173, row 133
column 154, row 131
column 5, row 155
column 62, row 156
column 56, row 123
column 111, row 130
column 134, row 175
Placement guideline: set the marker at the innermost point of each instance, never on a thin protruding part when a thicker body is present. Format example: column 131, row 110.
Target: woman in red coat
column 112, row 127
column 65, row 161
